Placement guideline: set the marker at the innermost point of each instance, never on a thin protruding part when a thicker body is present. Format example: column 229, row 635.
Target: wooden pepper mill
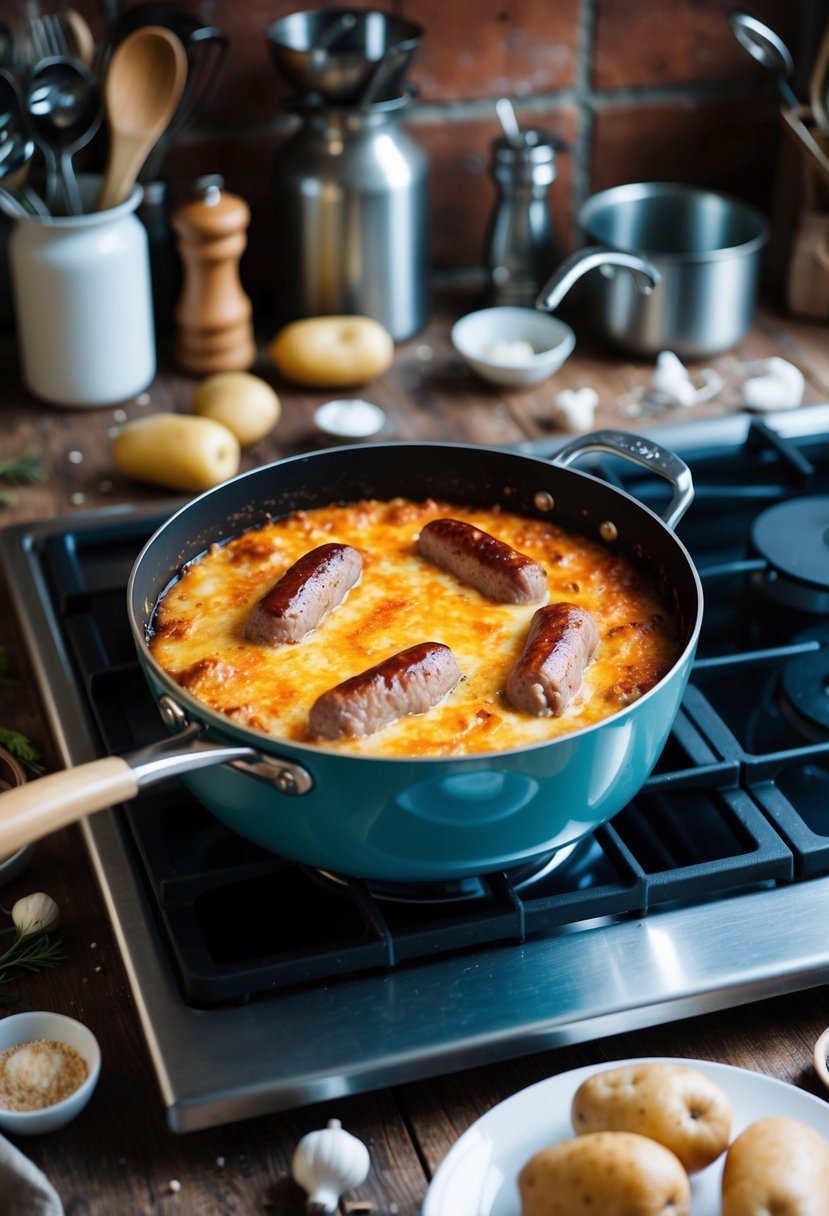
column 214, row 329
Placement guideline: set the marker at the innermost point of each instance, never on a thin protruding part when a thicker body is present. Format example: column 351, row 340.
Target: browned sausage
column 482, row 561
column 408, row 682
column 561, row 642
column 305, row 595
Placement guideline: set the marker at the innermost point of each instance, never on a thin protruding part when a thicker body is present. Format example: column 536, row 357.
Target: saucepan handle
column 643, row 452
column 40, row 807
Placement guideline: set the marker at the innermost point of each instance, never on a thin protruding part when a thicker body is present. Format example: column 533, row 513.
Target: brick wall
column 638, row 89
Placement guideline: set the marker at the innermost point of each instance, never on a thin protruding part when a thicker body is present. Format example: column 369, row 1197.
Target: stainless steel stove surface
column 262, row 985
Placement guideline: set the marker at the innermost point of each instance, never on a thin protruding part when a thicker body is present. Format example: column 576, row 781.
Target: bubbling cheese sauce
column 197, row 629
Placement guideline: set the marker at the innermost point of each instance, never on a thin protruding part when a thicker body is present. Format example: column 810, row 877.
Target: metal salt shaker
column 350, row 210
column 520, row 249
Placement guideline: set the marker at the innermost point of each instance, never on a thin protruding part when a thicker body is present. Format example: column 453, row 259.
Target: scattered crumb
column 144, row 399
column 174, row 1185
column 75, row 457
column 78, row 498
column 93, row 945
column 220, row 1161
column 119, row 415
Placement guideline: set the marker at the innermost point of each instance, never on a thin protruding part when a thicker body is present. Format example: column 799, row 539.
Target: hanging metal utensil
column 768, row 49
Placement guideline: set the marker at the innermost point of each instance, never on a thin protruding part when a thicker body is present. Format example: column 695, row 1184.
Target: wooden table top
column 118, row 1156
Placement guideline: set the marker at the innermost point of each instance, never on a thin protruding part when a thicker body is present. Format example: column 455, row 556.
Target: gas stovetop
column 263, row 985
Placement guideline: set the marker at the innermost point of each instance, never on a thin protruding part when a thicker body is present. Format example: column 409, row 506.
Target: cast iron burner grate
column 721, row 813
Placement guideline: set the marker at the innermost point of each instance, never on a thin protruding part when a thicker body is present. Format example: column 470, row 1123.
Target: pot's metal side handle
column 643, row 452
column 169, row 760
column 645, row 276
column 182, row 753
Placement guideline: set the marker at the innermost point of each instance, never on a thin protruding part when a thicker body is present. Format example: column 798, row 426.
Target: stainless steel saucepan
column 701, row 250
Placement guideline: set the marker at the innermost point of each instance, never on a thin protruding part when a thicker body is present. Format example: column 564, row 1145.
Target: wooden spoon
column 143, row 87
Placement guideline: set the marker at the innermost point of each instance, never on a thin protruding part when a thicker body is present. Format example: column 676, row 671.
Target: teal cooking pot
column 397, row 819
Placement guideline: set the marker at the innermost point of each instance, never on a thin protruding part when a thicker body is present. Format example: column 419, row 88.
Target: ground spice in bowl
column 39, row 1073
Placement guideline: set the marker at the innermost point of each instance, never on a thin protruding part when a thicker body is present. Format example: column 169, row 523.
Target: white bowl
column 476, row 336
column 24, row 1027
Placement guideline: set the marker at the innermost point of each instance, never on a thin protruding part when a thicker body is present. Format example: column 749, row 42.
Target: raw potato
column 245, row 404
column 604, row 1174
column 776, row 1167
column 177, row 450
column 332, row 352
column 678, row 1106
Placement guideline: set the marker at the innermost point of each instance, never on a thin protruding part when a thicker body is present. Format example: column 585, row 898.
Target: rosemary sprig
column 29, row 952
column 20, row 470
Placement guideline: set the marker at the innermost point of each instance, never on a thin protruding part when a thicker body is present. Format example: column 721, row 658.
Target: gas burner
column 459, row 890
column 804, row 694
column 793, row 537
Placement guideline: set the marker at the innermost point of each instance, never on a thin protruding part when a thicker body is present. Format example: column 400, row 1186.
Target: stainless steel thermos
column 350, row 207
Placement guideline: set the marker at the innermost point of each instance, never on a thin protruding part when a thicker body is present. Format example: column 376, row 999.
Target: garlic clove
column 671, row 378
column 36, row 913
column 574, row 409
column 327, row 1163
column 776, row 385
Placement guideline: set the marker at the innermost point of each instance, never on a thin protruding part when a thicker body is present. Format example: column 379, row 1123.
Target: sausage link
column 305, row 595
column 482, row 561
column 561, row 642
column 408, row 682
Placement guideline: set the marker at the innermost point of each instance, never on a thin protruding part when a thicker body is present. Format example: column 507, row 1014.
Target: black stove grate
column 736, row 802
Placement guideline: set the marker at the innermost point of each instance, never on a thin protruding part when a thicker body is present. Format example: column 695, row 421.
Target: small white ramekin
column 25, row 1027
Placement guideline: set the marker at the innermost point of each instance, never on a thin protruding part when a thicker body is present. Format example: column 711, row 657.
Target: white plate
column 478, row 1175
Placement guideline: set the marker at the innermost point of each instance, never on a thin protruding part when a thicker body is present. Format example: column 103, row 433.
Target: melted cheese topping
column 402, row 599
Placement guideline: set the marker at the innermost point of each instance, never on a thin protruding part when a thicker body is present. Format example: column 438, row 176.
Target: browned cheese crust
column 402, row 600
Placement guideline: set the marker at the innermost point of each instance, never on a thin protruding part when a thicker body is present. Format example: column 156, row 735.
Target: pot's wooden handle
column 40, row 807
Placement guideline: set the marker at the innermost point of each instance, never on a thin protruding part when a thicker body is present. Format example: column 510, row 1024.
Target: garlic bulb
column 36, row 913
column 327, row 1163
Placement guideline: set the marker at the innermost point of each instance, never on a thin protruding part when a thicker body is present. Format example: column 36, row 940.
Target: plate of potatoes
column 642, row 1137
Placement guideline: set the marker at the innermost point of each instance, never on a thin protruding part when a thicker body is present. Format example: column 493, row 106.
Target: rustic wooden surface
column 118, row 1157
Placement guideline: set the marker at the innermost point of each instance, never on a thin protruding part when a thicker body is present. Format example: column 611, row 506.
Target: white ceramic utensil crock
column 83, row 304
